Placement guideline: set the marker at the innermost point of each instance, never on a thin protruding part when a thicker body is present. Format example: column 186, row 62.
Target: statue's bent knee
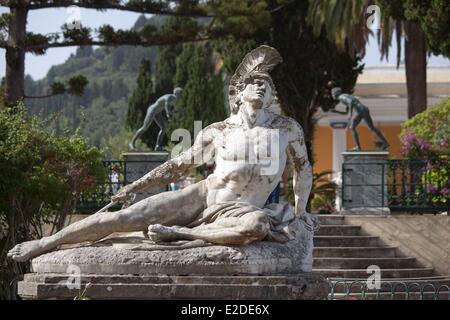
column 256, row 225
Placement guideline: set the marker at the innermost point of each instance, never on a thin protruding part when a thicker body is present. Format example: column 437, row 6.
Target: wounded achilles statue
column 251, row 149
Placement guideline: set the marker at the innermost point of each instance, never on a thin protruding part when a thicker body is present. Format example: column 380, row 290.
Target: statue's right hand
column 122, row 195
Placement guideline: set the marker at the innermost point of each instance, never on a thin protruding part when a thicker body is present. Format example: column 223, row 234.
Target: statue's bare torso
column 241, row 155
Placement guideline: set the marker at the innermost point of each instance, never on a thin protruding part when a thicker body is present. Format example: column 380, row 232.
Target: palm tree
column 345, row 24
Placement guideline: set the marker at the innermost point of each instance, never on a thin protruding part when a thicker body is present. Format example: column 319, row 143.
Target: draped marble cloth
column 279, row 217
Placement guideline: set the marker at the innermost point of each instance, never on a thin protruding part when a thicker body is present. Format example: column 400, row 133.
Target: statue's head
column 251, row 85
column 177, row 92
column 258, row 91
column 336, row 92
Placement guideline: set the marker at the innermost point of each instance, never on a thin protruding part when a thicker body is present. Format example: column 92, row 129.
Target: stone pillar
column 339, row 146
column 364, row 183
column 137, row 164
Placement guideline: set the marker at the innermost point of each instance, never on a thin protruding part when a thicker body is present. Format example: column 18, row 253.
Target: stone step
column 338, row 230
column 385, row 273
column 363, row 263
column 331, row 219
column 345, row 241
column 355, row 252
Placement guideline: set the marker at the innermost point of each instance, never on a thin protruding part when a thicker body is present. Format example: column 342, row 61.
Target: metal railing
column 414, row 289
column 400, row 185
column 101, row 196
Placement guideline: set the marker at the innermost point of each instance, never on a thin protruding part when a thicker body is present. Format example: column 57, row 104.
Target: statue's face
column 257, row 94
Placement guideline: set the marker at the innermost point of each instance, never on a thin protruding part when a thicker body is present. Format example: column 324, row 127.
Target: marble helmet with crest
column 256, row 64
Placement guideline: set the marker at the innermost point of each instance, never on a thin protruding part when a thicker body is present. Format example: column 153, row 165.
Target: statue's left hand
column 311, row 220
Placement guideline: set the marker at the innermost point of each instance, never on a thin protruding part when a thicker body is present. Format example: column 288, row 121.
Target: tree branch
column 150, row 7
column 40, row 47
column 41, row 97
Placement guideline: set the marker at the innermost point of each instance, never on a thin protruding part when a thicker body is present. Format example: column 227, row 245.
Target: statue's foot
column 26, row 250
column 356, row 149
column 132, row 147
column 160, row 233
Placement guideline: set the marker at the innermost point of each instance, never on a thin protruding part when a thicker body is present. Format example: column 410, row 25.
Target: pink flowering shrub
column 427, row 137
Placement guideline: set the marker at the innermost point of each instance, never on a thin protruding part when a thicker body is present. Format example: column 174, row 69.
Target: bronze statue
column 154, row 113
column 356, row 112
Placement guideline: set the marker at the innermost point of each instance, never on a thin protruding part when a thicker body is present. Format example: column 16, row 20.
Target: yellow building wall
column 323, row 149
column 323, row 143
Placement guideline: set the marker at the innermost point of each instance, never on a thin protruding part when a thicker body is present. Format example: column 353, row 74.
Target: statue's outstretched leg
column 227, row 231
column 149, row 117
column 377, row 131
column 160, row 121
column 353, row 126
column 179, row 207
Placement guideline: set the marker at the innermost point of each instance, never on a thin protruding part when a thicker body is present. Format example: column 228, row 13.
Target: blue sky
column 50, row 20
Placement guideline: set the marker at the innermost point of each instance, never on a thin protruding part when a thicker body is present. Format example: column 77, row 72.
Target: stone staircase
column 343, row 252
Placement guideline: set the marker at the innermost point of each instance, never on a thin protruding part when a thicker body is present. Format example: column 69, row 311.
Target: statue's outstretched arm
column 302, row 180
column 201, row 151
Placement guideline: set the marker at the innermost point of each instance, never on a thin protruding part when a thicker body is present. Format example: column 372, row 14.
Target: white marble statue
column 251, row 149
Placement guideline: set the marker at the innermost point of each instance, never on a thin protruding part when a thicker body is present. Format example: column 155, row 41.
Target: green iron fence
column 437, row 288
column 421, row 186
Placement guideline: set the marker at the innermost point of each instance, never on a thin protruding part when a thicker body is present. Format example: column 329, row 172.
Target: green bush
column 41, row 177
column 427, row 133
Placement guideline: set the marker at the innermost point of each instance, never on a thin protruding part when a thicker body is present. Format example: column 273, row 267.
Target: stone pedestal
column 364, row 183
column 304, row 286
column 138, row 164
column 129, row 266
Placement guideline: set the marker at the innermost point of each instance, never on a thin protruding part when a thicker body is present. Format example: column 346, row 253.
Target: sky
column 50, row 20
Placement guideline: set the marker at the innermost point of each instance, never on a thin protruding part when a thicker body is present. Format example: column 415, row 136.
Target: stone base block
column 304, row 286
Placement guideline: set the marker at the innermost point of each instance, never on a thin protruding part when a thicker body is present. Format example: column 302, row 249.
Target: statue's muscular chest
column 250, row 145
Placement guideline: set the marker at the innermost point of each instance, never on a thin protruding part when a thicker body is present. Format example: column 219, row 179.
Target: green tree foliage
column 165, row 64
column 202, row 98
column 434, row 19
column 42, row 174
